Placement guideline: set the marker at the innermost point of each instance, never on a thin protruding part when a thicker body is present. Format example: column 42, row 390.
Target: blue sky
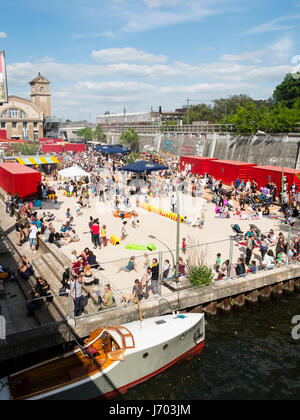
column 104, row 55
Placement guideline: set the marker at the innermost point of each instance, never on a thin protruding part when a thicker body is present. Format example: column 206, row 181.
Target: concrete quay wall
column 260, row 149
column 220, row 295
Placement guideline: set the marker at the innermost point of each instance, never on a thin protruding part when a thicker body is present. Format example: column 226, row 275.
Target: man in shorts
column 33, row 237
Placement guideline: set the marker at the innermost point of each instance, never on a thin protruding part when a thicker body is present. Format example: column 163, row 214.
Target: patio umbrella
column 143, row 166
column 112, row 149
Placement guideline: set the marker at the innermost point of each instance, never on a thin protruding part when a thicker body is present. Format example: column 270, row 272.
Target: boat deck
column 61, row 371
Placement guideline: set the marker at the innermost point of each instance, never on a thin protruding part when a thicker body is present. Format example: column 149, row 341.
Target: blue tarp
column 143, row 166
column 112, row 149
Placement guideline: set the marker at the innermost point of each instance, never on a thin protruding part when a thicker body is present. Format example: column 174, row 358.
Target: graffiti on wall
column 167, row 146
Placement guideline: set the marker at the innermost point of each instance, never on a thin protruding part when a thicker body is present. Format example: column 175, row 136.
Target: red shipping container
column 17, row 178
column 2, row 134
column 200, row 164
column 50, row 141
column 265, row 174
column 75, row 147
column 229, row 170
column 52, row 148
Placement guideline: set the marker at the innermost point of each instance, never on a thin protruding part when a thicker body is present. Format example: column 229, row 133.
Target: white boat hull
column 139, row 364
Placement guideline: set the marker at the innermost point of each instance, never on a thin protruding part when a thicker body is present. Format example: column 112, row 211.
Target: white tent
column 73, row 172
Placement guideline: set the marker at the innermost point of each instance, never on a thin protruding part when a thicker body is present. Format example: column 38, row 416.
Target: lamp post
column 149, row 148
column 282, row 161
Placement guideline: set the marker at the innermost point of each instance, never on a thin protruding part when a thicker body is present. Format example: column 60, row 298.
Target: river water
column 248, row 354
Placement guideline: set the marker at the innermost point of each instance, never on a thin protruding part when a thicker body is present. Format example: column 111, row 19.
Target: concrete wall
column 282, row 150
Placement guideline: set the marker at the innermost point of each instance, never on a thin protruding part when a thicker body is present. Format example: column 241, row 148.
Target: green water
column 248, row 355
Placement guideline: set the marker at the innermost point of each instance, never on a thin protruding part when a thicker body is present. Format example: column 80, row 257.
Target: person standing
column 103, row 236
column 173, row 203
column 76, row 292
column 33, row 237
column 7, row 201
column 95, row 229
column 155, row 276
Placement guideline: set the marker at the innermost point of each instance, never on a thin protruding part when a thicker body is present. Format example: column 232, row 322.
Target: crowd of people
column 240, row 201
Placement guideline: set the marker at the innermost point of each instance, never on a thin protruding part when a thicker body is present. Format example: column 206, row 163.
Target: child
column 133, row 223
column 103, row 236
column 55, row 203
column 252, row 267
column 183, row 246
column 147, row 261
column 78, row 209
column 123, row 231
column 218, row 262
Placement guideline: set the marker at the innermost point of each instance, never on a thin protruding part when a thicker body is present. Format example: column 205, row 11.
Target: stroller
column 256, row 230
column 238, row 232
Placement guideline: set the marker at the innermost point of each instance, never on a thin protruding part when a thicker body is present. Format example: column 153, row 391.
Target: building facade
column 23, row 118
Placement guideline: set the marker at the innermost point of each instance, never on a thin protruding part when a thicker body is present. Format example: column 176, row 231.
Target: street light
column 154, row 237
column 282, row 163
column 149, row 148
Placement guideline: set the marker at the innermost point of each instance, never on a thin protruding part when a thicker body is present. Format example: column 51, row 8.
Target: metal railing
column 183, row 129
column 167, row 284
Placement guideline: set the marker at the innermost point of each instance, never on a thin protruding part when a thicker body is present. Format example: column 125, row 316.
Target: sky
column 141, row 54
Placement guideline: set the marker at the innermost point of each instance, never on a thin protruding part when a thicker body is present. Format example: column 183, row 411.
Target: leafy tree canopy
column 288, row 92
column 130, row 138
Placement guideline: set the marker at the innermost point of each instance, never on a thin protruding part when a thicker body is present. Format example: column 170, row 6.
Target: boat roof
column 157, row 330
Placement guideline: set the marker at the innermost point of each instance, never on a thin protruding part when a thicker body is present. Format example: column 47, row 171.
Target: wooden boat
column 113, row 359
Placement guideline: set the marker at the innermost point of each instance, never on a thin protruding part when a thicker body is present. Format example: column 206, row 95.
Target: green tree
column 24, row 149
column 169, row 125
column 86, row 133
column 99, row 135
column 201, row 112
column 227, row 106
column 130, row 138
column 288, row 92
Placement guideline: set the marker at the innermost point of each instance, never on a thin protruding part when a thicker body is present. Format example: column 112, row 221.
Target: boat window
column 145, row 355
column 165, row 347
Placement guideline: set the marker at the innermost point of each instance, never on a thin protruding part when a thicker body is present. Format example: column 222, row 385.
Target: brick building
column 23, row 118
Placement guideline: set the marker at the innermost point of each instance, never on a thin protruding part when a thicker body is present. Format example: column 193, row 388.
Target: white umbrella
column 73, row 172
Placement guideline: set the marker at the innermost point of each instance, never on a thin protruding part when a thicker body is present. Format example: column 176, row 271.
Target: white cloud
column 110, row 85
column 161, row 3
column 127, row 55
column 246, row 56
column 274, row 25
column 283, row 48
column 3, row 35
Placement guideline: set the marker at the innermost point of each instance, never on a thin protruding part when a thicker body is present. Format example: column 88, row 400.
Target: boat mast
column 140, row 312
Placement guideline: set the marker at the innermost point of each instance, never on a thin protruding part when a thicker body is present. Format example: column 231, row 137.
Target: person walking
column 249, row 250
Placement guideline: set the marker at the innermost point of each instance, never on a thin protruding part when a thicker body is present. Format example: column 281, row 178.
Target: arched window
column 4, row 114
column 42, row 89
column 22, row 114
column 13, row 113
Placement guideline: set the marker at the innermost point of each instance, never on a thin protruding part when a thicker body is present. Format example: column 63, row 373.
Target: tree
column 288, row 92
column 130, row 138
column 86, row 133
column 24, row 149
column 226, row 106
column 201, row 112
column 99, row 135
